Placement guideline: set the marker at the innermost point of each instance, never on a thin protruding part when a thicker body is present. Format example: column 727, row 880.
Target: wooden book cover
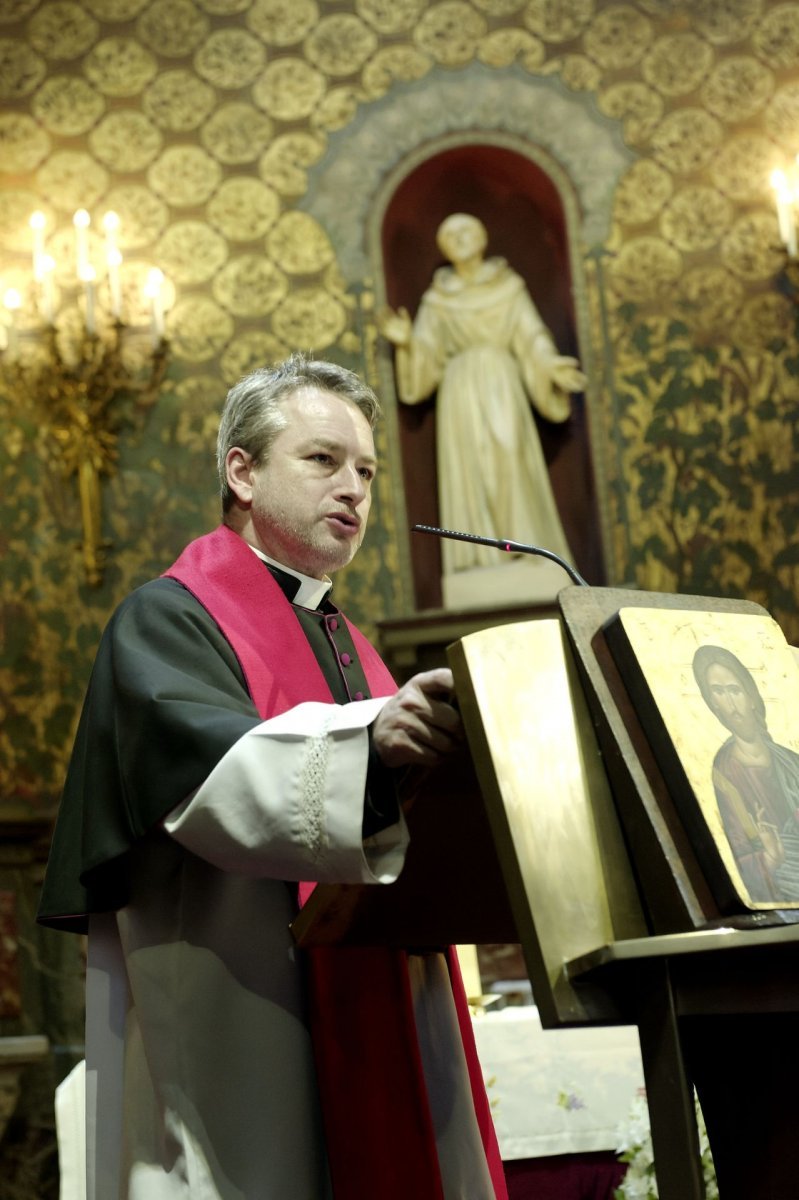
column 716, row 694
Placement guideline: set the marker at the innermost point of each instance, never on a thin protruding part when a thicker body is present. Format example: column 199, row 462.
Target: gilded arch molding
column 506, row 106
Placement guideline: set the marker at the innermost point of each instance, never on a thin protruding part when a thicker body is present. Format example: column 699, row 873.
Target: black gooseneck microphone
column 506, row 545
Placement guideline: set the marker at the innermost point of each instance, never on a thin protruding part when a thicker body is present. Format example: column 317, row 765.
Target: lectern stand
column 559, row 831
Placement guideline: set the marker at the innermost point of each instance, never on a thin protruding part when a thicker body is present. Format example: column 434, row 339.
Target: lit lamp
column 786, row 194
column 84, row 402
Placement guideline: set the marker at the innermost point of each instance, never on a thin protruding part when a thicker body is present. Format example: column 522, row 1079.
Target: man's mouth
column 345, row 521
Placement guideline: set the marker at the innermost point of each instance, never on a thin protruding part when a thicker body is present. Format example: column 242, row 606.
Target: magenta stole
column 377, row 1121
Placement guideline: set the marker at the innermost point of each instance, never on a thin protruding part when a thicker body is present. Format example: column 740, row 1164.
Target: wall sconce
column 83, row 390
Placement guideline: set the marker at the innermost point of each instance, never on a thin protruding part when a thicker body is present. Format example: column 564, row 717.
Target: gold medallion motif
column 224, row 8
column 643, row 192
column 310, row 317
column 299, row 245
column 243, row 209
column 67, row 105
column 116, row 10
column 119, row 66
column 178, row 101
column 336, row 109
column 125, row 140
column 502, row 47
column 16, row 10
column 677, row 64
column 23, row 144
column 142, row 215
column 21, row 69
column 393, row 64
column 391, row 16
column 618, row 37
column 62, row 30
column 751, row 249
column 250, row 286
column 558, row 22
column 230, row 58
column 340, row 44
column 579, row 73
column 743, row 166
column 198, row 329
column 761, row 321
column 645, row 269
column 712, row 297
column 236, row 133
column 71, row 179
column 282, row 22
column 725, row 21
column 283, row 164
column 184, row 175
column 782, row 116
column 498, row 8
column 686, row 140
column 696, row 218
column 173, row 28
column 637, row 106
column 776, row 36
column 250, row 350
column 450, row 32
column 289, row 89
column 737, row 88
column 190, row 252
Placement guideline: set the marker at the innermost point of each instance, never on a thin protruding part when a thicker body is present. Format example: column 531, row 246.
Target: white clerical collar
column 311, row 592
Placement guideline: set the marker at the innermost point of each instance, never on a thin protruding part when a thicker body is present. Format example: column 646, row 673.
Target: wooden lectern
column 560, row 831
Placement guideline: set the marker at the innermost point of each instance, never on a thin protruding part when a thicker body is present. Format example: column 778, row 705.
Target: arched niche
column 349, row 190
column 521, row 207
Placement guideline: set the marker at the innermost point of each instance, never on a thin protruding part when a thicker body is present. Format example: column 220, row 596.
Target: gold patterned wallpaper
column 202, row 123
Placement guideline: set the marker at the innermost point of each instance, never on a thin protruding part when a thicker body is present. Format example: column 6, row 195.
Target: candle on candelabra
column 113, row 260
column 48, row 298
column 786, row 197
column 88, row 277
column 153, row 290
column 37, row 223
column 81, row 221
column 12, row 300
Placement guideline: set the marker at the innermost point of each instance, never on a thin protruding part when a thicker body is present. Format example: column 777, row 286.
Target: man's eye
column 322, row 457
column 366, row 473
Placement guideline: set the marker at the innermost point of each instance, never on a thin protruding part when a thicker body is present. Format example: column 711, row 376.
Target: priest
column 241, row 741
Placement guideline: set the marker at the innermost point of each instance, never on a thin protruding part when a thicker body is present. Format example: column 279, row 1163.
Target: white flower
column 634, row 1146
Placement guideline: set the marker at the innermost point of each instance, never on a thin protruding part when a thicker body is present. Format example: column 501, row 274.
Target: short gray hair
column 253, row 415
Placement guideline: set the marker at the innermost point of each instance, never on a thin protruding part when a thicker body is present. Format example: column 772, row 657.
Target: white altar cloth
column 557, row 1091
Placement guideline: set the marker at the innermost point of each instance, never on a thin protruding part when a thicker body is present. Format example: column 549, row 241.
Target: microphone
column 504, row 544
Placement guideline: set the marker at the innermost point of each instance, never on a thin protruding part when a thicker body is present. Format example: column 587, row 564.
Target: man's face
column 731, row 703
column 311, row 499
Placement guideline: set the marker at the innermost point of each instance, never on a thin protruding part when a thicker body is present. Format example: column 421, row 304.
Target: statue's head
column 461, row 236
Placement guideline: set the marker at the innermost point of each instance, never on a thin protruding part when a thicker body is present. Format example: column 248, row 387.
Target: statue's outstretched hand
column 566, row 374
column 395, row 326
column 419, row 724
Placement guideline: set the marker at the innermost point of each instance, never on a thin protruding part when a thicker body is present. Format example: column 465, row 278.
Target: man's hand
column 418, row 725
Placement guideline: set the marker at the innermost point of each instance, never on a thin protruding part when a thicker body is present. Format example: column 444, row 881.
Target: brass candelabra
column 82, row 403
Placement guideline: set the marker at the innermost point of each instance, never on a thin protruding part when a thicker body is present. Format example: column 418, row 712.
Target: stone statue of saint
column 478, row 338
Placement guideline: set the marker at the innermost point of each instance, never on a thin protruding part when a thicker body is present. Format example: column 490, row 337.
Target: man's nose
column 350, row 484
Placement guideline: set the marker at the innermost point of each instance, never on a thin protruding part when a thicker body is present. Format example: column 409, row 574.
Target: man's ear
column 239, row 466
